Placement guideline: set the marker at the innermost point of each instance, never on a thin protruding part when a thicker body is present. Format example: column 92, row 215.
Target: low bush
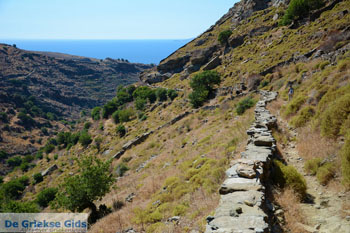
column 161, row 94
column 303, row 117
column 96, row 113
column 172, row 94
column 85, row 139
column 14, row 188
column 125, row 115
column 298, row 9
column 288, row 176
column 325, row 173
column 87, row 125
column 140, row 104
column 244, row 104
column 14, row 161
column 46, row 196
column 3, row 117
column 294, row 105
column 3, row 154
column 121, row 169
column 121, row 131
column 311, row 166
column 224, row 36
column 20, row 207
column 49, row 148
column 38, row 178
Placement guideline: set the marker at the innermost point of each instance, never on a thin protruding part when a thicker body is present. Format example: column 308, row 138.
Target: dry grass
column 311, row 144
column 293, row 217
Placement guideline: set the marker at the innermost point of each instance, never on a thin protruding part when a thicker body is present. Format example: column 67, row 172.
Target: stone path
column 325, row 214
column 242, row 203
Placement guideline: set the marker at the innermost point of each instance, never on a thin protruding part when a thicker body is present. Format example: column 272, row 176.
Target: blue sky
column 108, row 19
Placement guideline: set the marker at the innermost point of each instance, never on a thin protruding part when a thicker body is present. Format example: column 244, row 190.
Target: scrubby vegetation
column 202, row 85
column 244, row 104
column 288, row 176
column 223, row 37
column 298, row 9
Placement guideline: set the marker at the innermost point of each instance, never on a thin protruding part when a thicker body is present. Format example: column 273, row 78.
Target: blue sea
column 140, row 51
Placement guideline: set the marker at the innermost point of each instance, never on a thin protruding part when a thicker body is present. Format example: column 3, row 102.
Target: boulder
column 240, row 184
column 173, row 65
column 264, row 141
column 246, row 171
column 49, row 170
column 213, row 63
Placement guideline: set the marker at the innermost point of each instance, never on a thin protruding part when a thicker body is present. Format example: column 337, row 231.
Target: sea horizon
column 147, row 51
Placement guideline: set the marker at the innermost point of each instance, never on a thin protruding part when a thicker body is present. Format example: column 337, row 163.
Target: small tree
column 203, row 86
column 115, row 116
column 95, row 113
column 223, row 37
column 38, row 178
column 98, row 142
column 91, row 183
column 85, row 139
column 140, row 104
column 121, row 131
column 172, row 94
column 46, row 196
column 161, row 94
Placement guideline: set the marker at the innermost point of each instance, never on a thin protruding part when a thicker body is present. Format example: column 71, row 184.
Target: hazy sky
column 108, row 19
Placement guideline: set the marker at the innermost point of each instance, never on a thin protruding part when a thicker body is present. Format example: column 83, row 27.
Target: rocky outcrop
column 242, row 203
column 49, row 170
column 213, row 63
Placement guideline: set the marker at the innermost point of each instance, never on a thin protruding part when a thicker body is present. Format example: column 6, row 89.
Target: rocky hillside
column 48, row 87
column 189, row 153
column 63, row 84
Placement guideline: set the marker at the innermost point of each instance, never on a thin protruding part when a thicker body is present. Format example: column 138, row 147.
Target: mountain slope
column 171, row 159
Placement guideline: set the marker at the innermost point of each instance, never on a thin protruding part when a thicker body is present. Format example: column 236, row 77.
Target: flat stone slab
column 241, row 224
column 264, row 141
column 231, row 185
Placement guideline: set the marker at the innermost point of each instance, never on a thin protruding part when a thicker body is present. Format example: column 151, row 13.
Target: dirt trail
column 324, row 211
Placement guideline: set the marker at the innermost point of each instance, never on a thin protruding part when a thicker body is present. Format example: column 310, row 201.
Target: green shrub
column 109, row 108
column 96, row 113
column 223, row 37
column 39, row 155
column 144, row 92
column 288, row 176
column 203, row 86
column 140, row 104
column 311, row 166
column 335, row 116
column 1, row 180
column 13, row 189
column 87, row 125
column 345, row 165
column 28, row 158
column 121, row 131
column 26, row 120
column 198, row 97
column 294, row 105
column 180, row 210
column 172, row 94
column 325, row 173
column 20, row 207
column 14, row 161
column 303, row 117
column 24, row 166
column 3, row 117
column 55, row 157
column 244, row 104
column 298, row 9
column 49, row 148
column 3, row 154
column 46, row 196
column 85, row 139
column 121, row 169
column 38, row 178
column 125, row 115
column 115, row 116
column 323, row 64
column 161, row 94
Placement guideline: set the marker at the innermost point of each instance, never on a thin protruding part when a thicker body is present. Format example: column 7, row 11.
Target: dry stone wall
column 242, row 204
